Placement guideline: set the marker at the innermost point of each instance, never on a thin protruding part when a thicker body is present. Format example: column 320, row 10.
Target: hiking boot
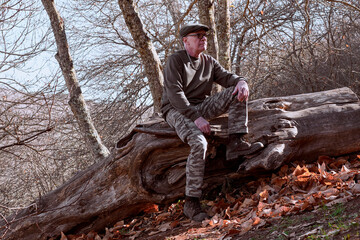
column 192, row 209
column 238, row 147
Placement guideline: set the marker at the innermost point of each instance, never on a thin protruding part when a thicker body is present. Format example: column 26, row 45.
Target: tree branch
column 24, row 141
column 345, row 3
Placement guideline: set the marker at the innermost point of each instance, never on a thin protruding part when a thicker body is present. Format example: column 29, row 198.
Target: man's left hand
column 242, row 91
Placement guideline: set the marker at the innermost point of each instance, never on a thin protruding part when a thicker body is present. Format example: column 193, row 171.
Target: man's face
column 196, row 42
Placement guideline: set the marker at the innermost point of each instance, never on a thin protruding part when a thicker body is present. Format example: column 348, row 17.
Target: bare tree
column 144, row 46
column 207, row 17
column 76, row 102
column 223, row 33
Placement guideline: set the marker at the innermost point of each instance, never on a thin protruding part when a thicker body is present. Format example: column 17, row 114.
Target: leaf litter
column 294, row 189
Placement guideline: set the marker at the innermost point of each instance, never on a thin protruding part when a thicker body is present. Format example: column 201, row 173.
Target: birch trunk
column 76, row 102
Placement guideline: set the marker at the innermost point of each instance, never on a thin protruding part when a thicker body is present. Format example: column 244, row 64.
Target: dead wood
column 147, row 166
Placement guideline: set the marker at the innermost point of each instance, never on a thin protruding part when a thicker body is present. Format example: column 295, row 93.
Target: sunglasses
column 198, row 35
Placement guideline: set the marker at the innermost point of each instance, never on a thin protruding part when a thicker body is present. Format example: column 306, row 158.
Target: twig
column 22, row 142
column 345, row 3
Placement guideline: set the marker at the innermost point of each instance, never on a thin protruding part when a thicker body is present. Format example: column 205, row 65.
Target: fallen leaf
column 283, row 170
column 247, row 203
column 322, row 170
column 345, row 169
column 229, row 198
column 233, row 232
column 161, row 217
column 174, row 224
column 356, row 188
column 151, row 208
column 329, row 192
column 63, row 237
column 256, row 221
column 246, row 226
column 279, row 181
column 227, row 212
column 264, row 195
column 164, row 227
column 300, row 170
column 214, row 220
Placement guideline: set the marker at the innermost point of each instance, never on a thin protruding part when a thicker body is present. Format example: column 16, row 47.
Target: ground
column 340, row 221
column 300, row 201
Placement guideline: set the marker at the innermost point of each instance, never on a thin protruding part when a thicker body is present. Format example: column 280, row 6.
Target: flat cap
column 189, row 28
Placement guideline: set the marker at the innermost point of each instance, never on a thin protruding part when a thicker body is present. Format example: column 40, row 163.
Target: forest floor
column 300, row 201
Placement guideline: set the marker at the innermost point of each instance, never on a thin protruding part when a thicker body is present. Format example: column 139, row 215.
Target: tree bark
column 144, row 46
column 207, row 17
column 148, row 166
column 223, row 32
column 76, row 102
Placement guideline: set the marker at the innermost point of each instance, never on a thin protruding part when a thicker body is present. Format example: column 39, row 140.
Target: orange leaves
column 152, row 208
column 300, row 171
column 293, row 189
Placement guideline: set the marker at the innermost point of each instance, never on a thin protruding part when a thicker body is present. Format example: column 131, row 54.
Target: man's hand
column 242, row 91
column 203, row 125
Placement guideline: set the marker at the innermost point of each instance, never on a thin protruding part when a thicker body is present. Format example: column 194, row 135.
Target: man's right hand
column 203, row 125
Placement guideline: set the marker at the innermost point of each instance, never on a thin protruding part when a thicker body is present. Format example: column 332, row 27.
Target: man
column 187, row 106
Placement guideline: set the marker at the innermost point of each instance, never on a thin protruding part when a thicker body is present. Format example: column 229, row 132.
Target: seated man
column 187, row 106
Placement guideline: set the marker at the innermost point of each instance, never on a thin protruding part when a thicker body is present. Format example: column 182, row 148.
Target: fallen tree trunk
column 148, row 166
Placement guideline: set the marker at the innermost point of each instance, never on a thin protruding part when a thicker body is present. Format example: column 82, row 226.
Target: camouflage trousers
column 189, row 133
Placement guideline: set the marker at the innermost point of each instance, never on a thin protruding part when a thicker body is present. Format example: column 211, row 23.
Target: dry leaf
column 229, row 198
column 264, row 195
column 227, row 212
column 174, row 224
column 162, row 216
column 322, row 170
column 279, row 181
column 247, row 203
column 300, row 170
column 164, row 227
column 256, row 221
column 356, row 188
column 283, row 170
column 246, row 226
column 345, row 169
column 214, row 220
column 63, row 237
column 330, row 192
column 151, row 208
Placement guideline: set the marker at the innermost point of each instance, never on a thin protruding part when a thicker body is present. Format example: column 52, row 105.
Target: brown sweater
column 185, row 87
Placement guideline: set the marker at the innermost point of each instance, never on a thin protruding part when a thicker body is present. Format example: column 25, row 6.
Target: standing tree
column 76, row 102
column 207, row 17
column 223, row 33
column 144, row 46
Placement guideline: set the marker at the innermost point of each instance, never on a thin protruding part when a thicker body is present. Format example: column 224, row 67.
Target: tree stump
column 148, row 165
